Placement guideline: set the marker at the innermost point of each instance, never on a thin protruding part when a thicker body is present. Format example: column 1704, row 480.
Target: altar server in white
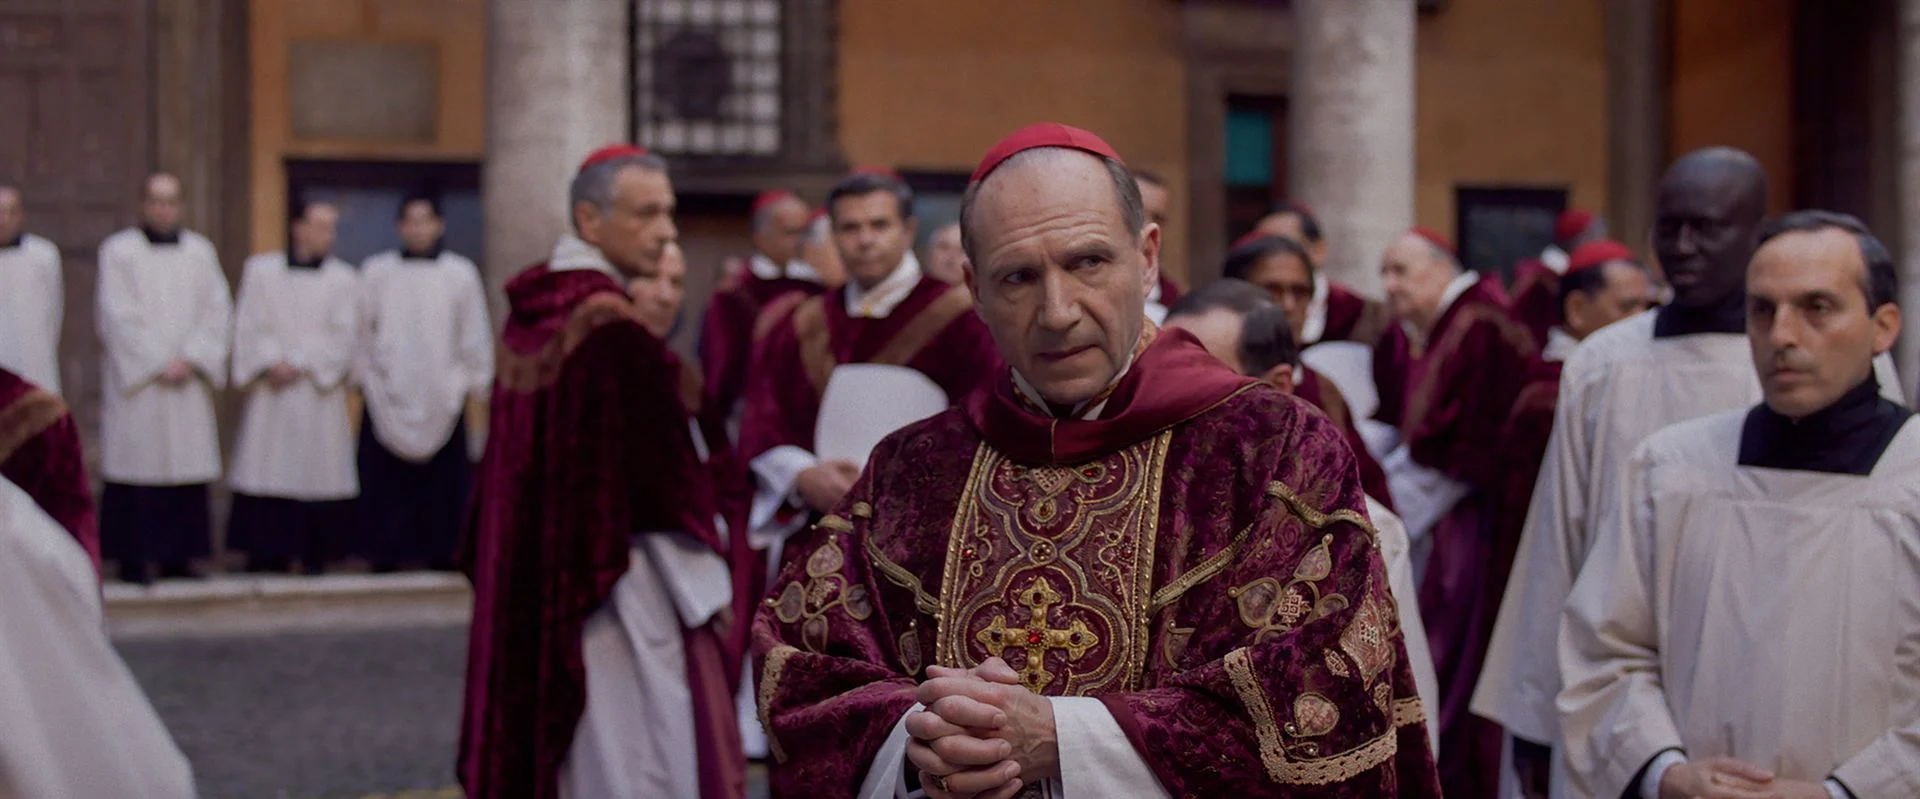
column 425, row 348
column 164, row 316
column 293, row 469
column 76, row 724
column 32, row 296
column 1754, row 629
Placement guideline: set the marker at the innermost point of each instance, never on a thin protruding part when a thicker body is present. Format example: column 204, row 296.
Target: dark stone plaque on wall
column 1499, row 225
column 358, row 90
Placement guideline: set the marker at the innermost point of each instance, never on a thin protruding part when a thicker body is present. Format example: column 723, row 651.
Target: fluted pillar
column 1352, row 127
column 557, row 89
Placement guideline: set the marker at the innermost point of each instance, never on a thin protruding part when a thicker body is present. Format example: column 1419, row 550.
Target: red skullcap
column 1434, row 238
column 879, row 171
column 1249, row 237
column 1571, row 223
column 612, row 152
column 1597, row 253
column 766, row 198
column 1035, row 136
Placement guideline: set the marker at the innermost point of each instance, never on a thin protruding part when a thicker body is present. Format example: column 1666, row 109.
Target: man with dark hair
column 1536, row 281
column 1448, row 373
column 426, row 348
column 1686, row 360
column 1333, row 312
column 1156, row 198
column 165, row 315
column 295, row 327
column 890, row 313
column 32, row 296
column 1034, row 590
column 598, row 664
column 775, row 276
column 1689, row 671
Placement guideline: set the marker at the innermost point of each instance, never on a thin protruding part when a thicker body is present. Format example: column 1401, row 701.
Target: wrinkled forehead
column 1040, row 196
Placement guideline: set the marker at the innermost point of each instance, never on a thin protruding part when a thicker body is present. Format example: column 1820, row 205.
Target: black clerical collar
column 1847, row 437
column 13, row 243
column 304, row 263
column 429, row 254
column 157, row 237
column 1727, row 317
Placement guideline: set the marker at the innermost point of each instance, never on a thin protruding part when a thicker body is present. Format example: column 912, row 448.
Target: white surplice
column 159, row 303
column 76, row 724
column 1619, row 386
column 1397, row 551
column 1763, row 614
column 425, row 347
column 32, row 303
column 295, row 442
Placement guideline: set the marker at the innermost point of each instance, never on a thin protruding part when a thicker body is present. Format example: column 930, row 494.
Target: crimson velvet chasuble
column 1198, row 558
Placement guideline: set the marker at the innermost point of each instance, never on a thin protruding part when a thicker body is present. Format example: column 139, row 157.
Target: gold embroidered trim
column 835, row 523
column 1240, row 667
column 1408, row 711
column 1317, row 519
column 1207, row 570
column 862, row 510
column 769, row 682
column 1317, row 771
column 898, row 575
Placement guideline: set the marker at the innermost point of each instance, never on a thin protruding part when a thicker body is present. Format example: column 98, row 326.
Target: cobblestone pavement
column 363, row 714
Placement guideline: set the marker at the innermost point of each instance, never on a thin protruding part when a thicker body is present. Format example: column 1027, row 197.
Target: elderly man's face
column 1062, row 282
column 1627, row 291
column 946, row 260
column 637, row 226
column 1813, row 335
column 1414, row 277
column 13, row 215
column 658, row 295
column 783, row 228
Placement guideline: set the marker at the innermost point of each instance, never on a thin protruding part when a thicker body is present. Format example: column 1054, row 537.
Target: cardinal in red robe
column 1466, row 362
column 780, row 226
column 1536, row 281
column 40, row 452
column 593, row 510
column 890, row 313
column 1334, row 312
column 1146, row 574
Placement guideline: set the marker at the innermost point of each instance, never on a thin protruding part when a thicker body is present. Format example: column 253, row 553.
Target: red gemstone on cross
column 1033, row 637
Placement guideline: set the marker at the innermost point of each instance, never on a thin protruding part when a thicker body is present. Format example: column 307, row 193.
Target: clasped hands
column 1727, row 778
column 983, row 735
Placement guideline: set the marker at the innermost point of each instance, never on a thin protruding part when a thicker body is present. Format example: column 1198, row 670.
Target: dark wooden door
column 76, row 135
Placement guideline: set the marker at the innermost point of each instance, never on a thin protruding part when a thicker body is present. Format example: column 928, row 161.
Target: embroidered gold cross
column 1037, row 639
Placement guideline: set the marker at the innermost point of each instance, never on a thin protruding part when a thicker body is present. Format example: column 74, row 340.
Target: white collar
column 764, row 268
column 570, row 253
column 1086, row 411
column 1560, row 346
column 1555, row 259
column 879, row 301
column 1456, row 288
column 1316, row 323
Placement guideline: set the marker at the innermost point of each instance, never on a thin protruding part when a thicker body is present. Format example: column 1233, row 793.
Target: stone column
column 1636, row 114
column 557, row 88
column 1351, row 120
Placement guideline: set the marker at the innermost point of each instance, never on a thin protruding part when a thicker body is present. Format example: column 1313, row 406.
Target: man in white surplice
column 1626, row 381
column 77, row 725
column 1754, row 627
column 164, row 317
column 426, row 347
column 32, row 297
column 294, row 334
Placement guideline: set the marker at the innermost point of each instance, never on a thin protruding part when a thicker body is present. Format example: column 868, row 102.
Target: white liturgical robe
column 1762, row 614
column 295, row 442
column 1620, row 386
column 159, row 303
column 76, row 725
column 32, row 301
column 426, row 346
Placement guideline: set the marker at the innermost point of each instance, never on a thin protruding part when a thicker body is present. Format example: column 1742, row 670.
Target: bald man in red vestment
column 602, row 591
column 1117, row 569
column 40, row 452
column 780, row 222
column 1465, row 360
